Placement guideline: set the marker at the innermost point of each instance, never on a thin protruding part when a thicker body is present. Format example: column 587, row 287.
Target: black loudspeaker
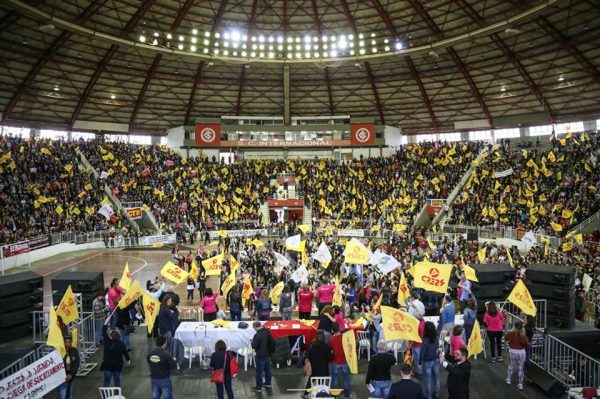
column 20, row 283
column 16, row 332
column 89, row 282
column 560, row 307
column 489, row 291
column 551, row 274
column 564, row 320
column 546, row 382
column 22, row 316
column 21, row 301
column 545, row 291
column 494, row 273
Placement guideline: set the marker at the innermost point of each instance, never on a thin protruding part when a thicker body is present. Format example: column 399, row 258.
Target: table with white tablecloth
column 206, row 334
column 458, row 319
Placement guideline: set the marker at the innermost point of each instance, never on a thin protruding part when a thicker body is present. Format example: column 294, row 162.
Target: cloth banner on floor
column 35, row 380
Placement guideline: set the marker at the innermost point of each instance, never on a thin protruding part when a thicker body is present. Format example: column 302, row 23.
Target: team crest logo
column 363, row 135
column 208, row 134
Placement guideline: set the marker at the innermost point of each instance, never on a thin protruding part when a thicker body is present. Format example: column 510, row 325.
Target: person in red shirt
column 415, row 347
column 338, row 361
column 305, row 299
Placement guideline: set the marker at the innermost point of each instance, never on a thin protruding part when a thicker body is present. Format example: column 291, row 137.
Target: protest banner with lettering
column 36, row 380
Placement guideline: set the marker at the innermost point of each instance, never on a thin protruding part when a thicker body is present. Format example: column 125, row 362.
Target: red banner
column 15, row 249
column 208, row 135
column 362, row 133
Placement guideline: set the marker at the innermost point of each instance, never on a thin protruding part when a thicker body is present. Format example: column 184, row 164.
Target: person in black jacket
column 378, row 373
column 406, row 388
column 161, row 363
column 263, row 344
column 71, row 361
column 217, row 361
column 459, row 373
column 166, row 319
column 114, row 352
column 318, row 357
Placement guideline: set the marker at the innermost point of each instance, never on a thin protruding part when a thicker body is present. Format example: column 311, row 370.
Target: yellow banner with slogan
column 125, row 280
column 174, row 273
column 432, row 276
column 356, row 253
column 399, row 325
column 228, row 284
column 521, row 297
column 213, row 265
column 55, row 337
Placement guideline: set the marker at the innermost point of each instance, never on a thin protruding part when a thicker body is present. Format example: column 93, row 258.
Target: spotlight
column 333, row 53
column 235, row 36
column 56, row 88
column 112, row 96
column 216, row 51
column 398, row 46
column 225, row 52
column 279, row 39
column 244, row 53
column 142, row 38
column 362, row 51
column 193, row 40
column 155, row 42
column 387, row 48
column 205, row 51
column 374, row 49
column 261, row 38
column 180, row 46
column 207, row 34
column 361, row 36
column 290, row 39
column 271, row 39
column 271, row 54
column 217, row 35
column 561, row 78
column 206, row 42
column 194, row 31
column 181, row 38
column 325, row 54
column 351, row 52
column 262, row 55
column 324, row 38
column 306, row 39
column 226, row 36
column 156, row 34
column 192, row 48
column 169, row 36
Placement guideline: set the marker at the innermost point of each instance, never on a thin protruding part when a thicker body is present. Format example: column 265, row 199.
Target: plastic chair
column 364, row 343
column 194, row 351
column 111, row 393
column 484, row 342
column 398, row 347
column 247, row 353
column 319, row 384
column 442, row 339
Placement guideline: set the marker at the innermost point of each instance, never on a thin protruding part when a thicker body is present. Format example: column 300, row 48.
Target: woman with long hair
column 517, row 343
column 326, row 321
column 166, row 320
column 235, row 303
column 318, row 357
column 469, row 316
column 430, row 363
column 264, row 306
column 209, row 305
column 221, row 359
column 494, row 322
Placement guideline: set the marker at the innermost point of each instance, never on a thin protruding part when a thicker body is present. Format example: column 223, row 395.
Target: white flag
column 281, row 260
column 384, row 262
column 375, row 257
column 300, row 275
column 530, row 238
column 587, row 282
column 292, row 242
column 104, row 175
column 106, row 211
column 323, row 254
column 503, row 173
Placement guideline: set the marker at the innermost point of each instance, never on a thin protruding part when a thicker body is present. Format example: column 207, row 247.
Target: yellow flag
column 556, row 226
column 475, row 345
column 174, row 273
column 349, row 345
column 247, row 289
column 567, row 246
column 566, row 214
column 55, row 337
column 470, row 273
column 151, row 309
column 134, row 292
column 257, row 243
column 74, row 337
column 222, row 233
column 276, row 292
column 399, row 325
column 59, row 209
column 228, row 284
column 579, row 239
column 432, row 276
column 378, row 303
column 194, row 271
column 125, row 280
column 521, row 297
column 481, row 254
column 431, row 246
column 356, row 253
column 67, row 308
column 304, row 228
column 510, row 259
column 337, row 293
column 213, row 265
column 403, row 292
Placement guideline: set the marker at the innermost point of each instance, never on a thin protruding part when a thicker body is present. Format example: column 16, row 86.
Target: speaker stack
column 555, row 283
column 20, row 295
column 85, row 283
column 495, row 283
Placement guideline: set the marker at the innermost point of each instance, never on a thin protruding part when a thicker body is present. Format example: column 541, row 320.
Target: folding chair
column 364, row 343
column 247, row 353
column 110, row 393
column 318, row 385
column 194, row 351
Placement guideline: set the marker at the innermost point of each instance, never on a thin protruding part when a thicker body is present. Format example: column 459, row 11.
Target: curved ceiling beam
column 202, row 64
column 375, row 92
column 250, row 28
column 140, row 99
column 110, row 53
column 535, row 89
column 461, row 66
column 326, row 69
column 48, row 54
column 349, row 17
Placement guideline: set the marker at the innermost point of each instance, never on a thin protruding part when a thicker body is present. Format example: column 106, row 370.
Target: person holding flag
column 71, row 361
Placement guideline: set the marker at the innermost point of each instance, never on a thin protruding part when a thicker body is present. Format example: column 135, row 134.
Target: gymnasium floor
column 487, row 380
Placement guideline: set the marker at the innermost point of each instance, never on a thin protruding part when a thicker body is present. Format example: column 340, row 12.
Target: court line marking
column 71, row 264
column 135, row 257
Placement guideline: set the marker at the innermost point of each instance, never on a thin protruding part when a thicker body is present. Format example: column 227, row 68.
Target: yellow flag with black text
column 228, row 284
column 125, row 280
column 403, row 292
column 55, row 338
column 399, row 325
column 194, row 271
column 67, row 308
column 174, row 273
column 356, row 253
column 521, row 297
column 134, row 292
column 212, row 266
column 151, row 309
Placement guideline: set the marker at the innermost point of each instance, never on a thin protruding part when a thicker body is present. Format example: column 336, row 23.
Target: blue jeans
column 160, row 386
column 263, row 364
column 415, row 359
column 99, row 323
column 335, row 368
column 225, row 387
column 382, row 389
column 113, row 319
column 64, row 390
column 236, row 315
column 431, row 378
column 109, row 375
column 468, row 330
column 374, row 339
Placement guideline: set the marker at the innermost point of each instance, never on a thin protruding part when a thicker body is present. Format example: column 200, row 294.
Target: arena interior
column 370, row 180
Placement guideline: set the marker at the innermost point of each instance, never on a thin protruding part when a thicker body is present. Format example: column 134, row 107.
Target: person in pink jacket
column 494, row 322
column 305, row 299
column 325, row 295
column 209, row 304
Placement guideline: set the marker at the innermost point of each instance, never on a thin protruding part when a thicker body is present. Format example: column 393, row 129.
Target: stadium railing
column 490, row 232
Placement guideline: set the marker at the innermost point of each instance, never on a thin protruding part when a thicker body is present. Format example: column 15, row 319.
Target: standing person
column 518, row 343
column 529, row 331
column 378, row 374
column 494, row 322
column 201, row 281
column 286, row 303
column 166, row 320
column 469, row 316
column 338, row 315
column 264, row 306
column 114, row 296
column 415, row 347
column 114, row 352
column 221, row 359
column 326, row 321
column 325, row 295
column 305, row 298
column 351, row 298
column 338, row 361
column 209, row 304
column 429, row 361
column 188, row 260
column 459, row 373
column 456, row 341
column 406, row 388
column 263, row 344
column 318, row 357
column 191, row 286
column 99, row 309
column 447, row 315
column 465, row 289
column 71, row 362
column 235, row 303
column 161, row 363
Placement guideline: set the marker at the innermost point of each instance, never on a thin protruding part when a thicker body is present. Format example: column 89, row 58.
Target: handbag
column 233, row 367
column 218, row 376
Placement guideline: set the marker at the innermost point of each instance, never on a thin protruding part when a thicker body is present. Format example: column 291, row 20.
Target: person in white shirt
column 415, row 306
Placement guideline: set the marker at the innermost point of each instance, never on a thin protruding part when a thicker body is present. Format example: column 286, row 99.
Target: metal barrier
column 511, row 309
column 21, row 363
column 490, row 232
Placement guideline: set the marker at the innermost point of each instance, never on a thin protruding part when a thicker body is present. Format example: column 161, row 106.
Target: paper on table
column 274, row 328
column 295, row 325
